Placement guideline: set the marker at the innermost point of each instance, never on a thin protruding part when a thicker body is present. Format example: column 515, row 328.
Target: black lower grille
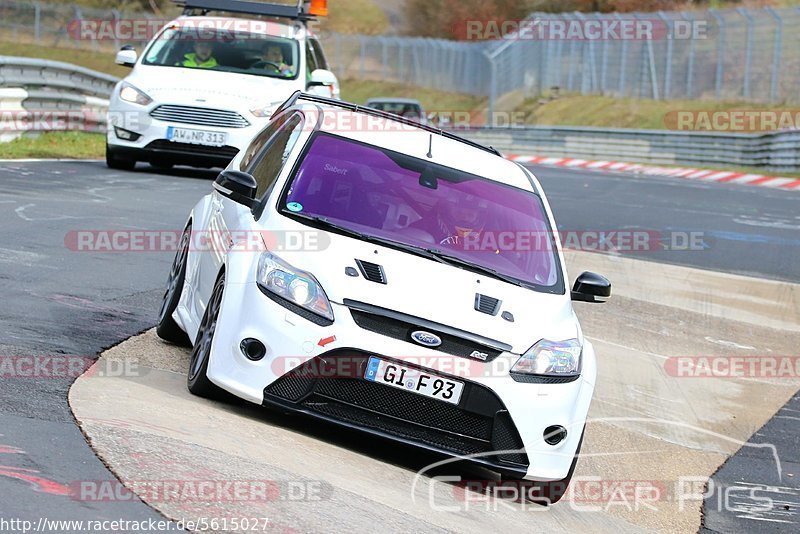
column 332, row 385
column 222, row 152
column 406, row 406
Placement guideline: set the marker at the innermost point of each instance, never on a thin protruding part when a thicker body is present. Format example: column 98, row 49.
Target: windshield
column 411, row 111
column 240, row 52
column 410, row 201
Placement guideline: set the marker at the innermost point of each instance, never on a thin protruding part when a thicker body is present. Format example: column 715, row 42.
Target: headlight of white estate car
column 266, row 110
column 129, row 93
column 551, row 358
column 294, row 285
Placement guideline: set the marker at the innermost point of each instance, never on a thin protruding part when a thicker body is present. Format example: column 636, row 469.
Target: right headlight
column 129, row 93
column 296, row 286
column 551, row 358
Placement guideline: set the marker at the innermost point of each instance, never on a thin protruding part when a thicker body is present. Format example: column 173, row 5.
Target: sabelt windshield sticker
column 294, row 206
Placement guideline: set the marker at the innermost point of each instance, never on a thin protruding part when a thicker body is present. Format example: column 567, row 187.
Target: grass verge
column 63, row 145
column 604, row 111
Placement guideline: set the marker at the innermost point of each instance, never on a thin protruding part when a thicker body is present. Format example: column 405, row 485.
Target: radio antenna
column 430, row 147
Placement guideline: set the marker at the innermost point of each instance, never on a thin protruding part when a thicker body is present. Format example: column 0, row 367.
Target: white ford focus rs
column 376, row 273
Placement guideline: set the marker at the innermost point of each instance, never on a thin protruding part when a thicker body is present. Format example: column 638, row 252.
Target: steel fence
column 749, row 55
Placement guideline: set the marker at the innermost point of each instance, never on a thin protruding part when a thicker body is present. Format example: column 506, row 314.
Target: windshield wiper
column 466, row 264
column 324, row 221
column 320, row 220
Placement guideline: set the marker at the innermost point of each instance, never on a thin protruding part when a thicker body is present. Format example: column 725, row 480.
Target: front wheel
column 114, row 161
column 167, row 328
column 197, row 381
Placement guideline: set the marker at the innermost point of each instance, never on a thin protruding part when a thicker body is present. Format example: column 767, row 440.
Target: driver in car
column 201, row 58
column 272, row 58
column 458, row 219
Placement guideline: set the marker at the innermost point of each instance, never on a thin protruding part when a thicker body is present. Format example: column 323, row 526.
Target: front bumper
column 331, row 387
column 153, row 146
column 496, row 412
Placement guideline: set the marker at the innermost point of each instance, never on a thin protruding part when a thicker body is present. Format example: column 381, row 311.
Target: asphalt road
column 61, row 302
column 73, row 304
column 740, row 229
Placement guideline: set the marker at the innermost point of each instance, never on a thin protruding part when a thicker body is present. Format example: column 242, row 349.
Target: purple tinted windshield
column 411, row 201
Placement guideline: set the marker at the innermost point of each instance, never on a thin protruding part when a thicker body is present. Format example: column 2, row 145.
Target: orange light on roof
column 319, row 8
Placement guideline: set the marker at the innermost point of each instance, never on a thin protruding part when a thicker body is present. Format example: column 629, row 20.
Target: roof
column 393, row 133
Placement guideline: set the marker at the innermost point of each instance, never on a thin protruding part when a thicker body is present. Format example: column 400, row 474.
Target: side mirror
column 591, row 287
column 237, row 186
column 322, row 78
column 126, row 56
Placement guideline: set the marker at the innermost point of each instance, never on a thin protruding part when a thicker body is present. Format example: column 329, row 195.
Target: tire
column 197, row 379
column 113, row 161
column 167, row 328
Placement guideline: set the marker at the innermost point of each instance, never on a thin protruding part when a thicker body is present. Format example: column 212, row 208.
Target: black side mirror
column 591, row 287
column 237, row 186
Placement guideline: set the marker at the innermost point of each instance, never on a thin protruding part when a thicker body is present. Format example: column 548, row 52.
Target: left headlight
column 129, row 93
column 296, row 286
column 551, row 358
column 265, row 111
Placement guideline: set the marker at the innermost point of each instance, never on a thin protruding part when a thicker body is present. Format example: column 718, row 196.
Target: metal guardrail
column 773, row 151
column 41, row 95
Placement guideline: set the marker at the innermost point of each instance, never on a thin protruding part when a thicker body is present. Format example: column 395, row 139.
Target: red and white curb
column 675, row 172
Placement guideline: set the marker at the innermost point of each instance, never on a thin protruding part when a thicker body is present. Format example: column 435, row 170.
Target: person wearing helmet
column 460, row 217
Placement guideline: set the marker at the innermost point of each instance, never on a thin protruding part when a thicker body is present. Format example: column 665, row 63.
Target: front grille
column 199, row 116
column 332, row 385
column 402, row 330
column 372, row 271
column 486, row 304
column 221, row 152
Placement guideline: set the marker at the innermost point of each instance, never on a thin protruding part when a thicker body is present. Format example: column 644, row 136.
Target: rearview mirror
column 126, row 56
column 237, row 186
column 591, row 287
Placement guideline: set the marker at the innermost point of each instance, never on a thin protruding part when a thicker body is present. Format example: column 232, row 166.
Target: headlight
column 551, row 358
column 294, row 285
column 265, row 111
column 131, row 94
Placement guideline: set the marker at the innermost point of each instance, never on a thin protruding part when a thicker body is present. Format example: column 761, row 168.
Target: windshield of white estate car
column 446, row 214
column 241, row 52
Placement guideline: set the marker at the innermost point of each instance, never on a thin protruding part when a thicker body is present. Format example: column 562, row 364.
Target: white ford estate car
column 373, row 272
column 205, row 85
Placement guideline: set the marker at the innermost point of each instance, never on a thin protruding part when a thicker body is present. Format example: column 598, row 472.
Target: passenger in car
column 201, row 58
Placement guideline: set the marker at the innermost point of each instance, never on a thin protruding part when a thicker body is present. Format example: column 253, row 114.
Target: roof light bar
column 304, row 10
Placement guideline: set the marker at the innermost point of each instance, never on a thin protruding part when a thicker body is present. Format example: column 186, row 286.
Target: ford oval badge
column 426, row 338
